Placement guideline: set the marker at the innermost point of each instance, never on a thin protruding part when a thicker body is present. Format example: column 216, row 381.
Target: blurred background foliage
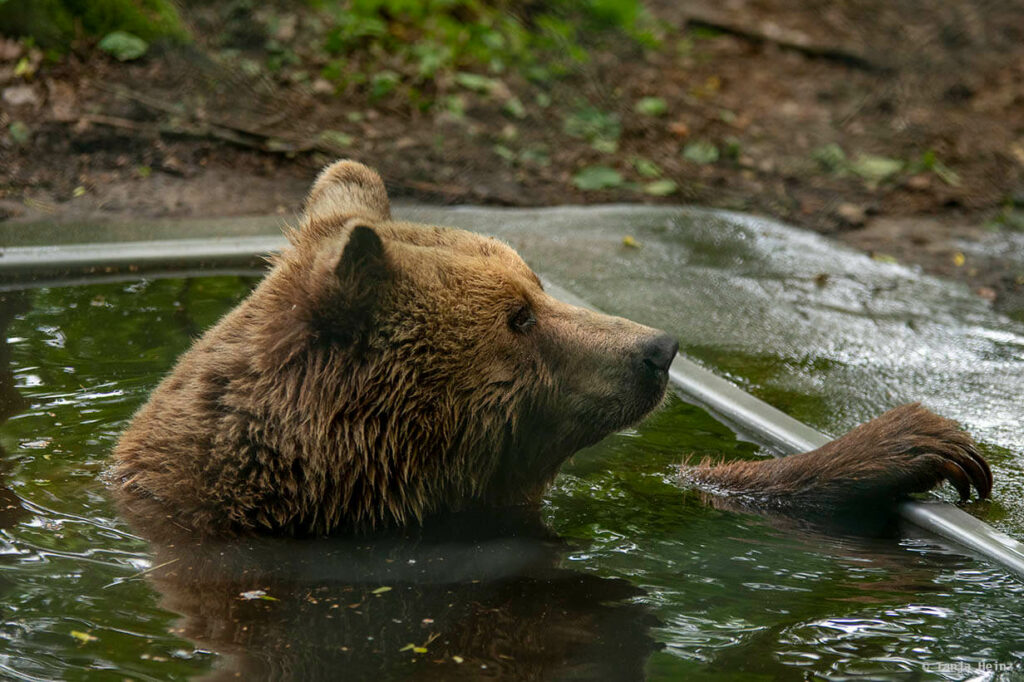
column 55, row 24
column 900, row 131
column 427, row 37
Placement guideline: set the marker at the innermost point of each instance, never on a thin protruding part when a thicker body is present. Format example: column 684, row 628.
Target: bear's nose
column 659, row 352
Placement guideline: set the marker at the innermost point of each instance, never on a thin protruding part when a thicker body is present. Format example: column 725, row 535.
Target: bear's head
column 385, row 371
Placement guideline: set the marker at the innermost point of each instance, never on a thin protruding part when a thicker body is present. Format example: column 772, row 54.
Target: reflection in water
column 12, row 303
column 467, row 598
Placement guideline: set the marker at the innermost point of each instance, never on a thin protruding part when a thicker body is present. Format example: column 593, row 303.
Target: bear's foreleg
column 906, row 450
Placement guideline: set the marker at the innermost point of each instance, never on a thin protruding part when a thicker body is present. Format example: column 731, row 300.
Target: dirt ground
column 897, row 128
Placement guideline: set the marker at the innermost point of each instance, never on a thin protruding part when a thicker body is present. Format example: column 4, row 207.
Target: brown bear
column 384, row 372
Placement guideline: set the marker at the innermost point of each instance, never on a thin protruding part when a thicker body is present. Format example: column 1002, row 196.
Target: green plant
column 600, row 128
column 383, row 83
column 830, row 157
column 651, row 106
column 55, row 23
column 646, row 167
column 431, row 37
column 929, row 163
column 661, row 188
column 124, row 46
column 874, row 169
column 701, row 152
column 597, row 177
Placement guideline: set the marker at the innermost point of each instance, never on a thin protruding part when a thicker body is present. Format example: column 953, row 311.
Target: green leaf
column 646, row 167
column 537, row 154
column 336, row 138
column 514, row 107
column 700, row 151
column 381, row 590
column 123, row 45
column 946, row 174
column 592, row 124
column 929, row 162
column 83, row 637
column 24, row 68
column 476, row 82
column 875, row 169
column 831, row 157
column 651, row 106
column 504, row 152
column 383, row 83
column 597, row 177
column 661, row 188
column 19, row 132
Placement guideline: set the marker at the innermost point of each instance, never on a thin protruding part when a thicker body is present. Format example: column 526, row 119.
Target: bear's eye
column 522, row 319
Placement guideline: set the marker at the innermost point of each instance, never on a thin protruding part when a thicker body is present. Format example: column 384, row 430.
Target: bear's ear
column 347, row 189
column 362, row 268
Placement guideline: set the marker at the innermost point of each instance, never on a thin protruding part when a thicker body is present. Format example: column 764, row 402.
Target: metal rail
column 22, row 267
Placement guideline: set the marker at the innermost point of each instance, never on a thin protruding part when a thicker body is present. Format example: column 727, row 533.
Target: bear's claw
column 963, row 467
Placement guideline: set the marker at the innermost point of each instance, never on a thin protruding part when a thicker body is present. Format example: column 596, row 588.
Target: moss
column 55, row 23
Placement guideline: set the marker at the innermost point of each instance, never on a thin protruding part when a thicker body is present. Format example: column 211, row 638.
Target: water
column 621, row 575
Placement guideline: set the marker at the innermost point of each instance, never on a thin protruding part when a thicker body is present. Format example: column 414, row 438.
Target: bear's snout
column 657, row 353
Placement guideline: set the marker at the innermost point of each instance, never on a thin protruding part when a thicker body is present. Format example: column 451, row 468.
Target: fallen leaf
column 646, row 167
column 18, row 131
column 875, row 169
column 700, row 151
column 83, row 637
column 381, row 590
column 651, row 106
column 831, row 157
column 25, row 68
column 661, row 188
column 679, row 129
column 476, row 82
column 597, row 177
column 256, row 594
column 335, row 139
column 123, row 46
column 513, row 106
column 852, row 214
column 20, row 95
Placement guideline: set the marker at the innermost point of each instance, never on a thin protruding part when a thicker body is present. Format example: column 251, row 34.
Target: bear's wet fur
column 384, row 372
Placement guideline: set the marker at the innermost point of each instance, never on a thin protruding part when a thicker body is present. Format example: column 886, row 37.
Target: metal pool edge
column 22, row 267
column 791, row 436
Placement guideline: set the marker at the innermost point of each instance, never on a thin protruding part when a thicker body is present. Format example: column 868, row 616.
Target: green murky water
column 624, row 576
